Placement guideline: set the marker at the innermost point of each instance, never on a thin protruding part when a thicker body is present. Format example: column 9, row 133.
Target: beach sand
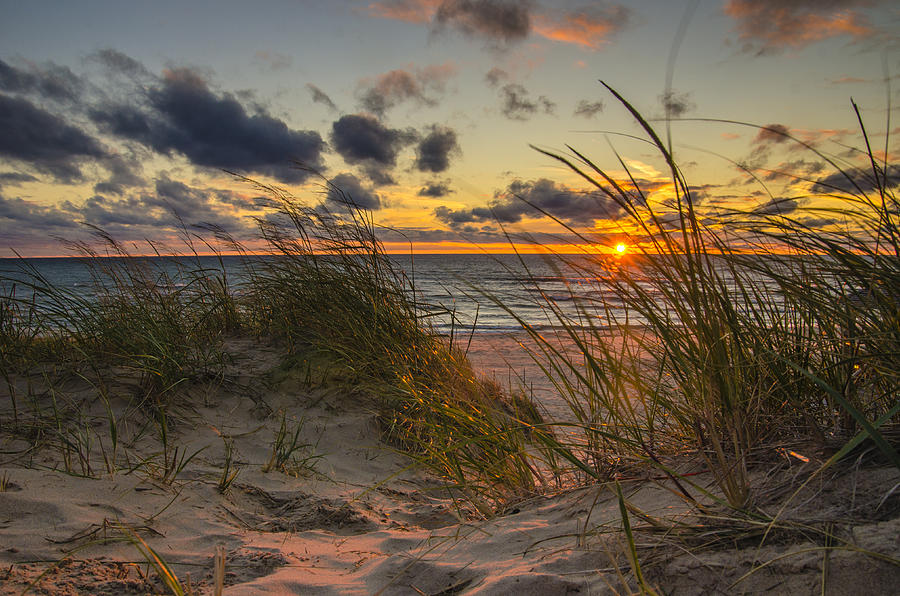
column 355, row 517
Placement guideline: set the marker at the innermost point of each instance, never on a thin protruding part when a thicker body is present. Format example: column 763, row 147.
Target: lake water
column 469, row 287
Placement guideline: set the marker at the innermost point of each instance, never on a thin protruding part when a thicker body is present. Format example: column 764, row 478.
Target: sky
column 144, row 119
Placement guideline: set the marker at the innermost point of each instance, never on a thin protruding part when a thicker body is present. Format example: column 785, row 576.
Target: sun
column 620, row 248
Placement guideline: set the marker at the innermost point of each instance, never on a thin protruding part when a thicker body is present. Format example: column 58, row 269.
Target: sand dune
column 349, row 515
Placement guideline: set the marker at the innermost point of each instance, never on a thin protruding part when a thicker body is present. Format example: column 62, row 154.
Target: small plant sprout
column 230, row 470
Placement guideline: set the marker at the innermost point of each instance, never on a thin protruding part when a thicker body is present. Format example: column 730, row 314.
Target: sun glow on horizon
column 621, row 248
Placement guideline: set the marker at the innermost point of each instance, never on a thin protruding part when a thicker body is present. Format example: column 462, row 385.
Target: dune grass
column 331, row 294
column 325, row 292
column 794, row 341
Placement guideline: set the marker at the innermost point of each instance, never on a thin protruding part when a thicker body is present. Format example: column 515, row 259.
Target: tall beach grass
column 324, row 291
column 759, row 329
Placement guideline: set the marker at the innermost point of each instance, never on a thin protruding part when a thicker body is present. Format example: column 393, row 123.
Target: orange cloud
column 774, row 24
column 576, row 29
column 589, row 28
column 845, row 80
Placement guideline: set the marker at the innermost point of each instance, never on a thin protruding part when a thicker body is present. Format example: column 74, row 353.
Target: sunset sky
column 122, row 114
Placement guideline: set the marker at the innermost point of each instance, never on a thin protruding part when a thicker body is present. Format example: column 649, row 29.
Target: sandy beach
column 353, row 516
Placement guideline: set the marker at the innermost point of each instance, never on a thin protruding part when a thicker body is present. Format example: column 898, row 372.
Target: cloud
column 501, row 21
column 378, row 174
column 360, row 137
column 49, row 81
column 472, row 233
column 495, row 76
column 766, row 139
column 768, row 26
column 589, row 27
column 347, row 191
column 852, row 181
column 397, row 86
column 171, row 205
column 272, row 61
column 15, row 178
column 123, row 174
column 21, row 219
column 518, row 105
column 776, row 207
column 213, row 130
column 588, row 109
column 121, row 63
column 434, row 150
column 319, row 96
column 392, row 88
column 525, row 199
column 497, row 21
column 43, row 140
column 846, row 80
column 772, row 134
column 795, row 170
column 435, row 189
column 131, row 218
column 676, row 104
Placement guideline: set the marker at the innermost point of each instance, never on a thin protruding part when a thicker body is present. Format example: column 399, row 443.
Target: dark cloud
column 777, row 207
column 121, row 63
column 767, row 137
column 529, row 198
column 772, row 133
column 501, row 22
column 853, row 181
column 818, row 222
column 676, row 104
column 118, row 215
column 498, row 21
column 795, row 171
column 495, row 76
column 435, row 190
column 397, row 86
column 392, row 88
column 171, row 205
column 481, row 234
column 360, row 137
column 23, row 219
column 477, row 234
column 319, row 96
column 588, row 109
column 212, row 130
column 44, row 140
column 767, row 26
column 123, row 174
column 434, row 150
column 49, row 81
column 518, row 105
column 378, row 174
column 193, row 204
column 346, row 190
column 455, row 218
column 701, row 193
column 15, row 178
